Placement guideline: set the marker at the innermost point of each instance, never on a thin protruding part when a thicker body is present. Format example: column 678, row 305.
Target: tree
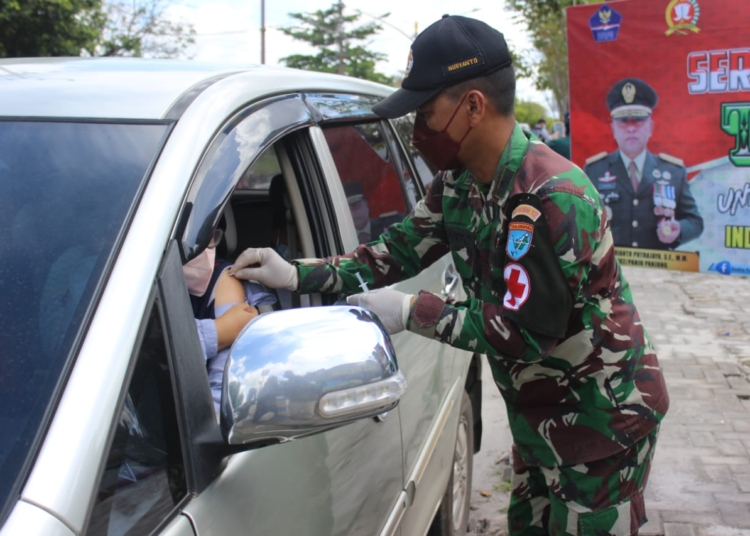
column 138, row 28
column 529, row 112
column 339, row 47
column 31, row 28
column 545, row 22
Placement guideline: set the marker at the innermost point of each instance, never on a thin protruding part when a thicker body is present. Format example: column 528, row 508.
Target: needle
column 362, row 283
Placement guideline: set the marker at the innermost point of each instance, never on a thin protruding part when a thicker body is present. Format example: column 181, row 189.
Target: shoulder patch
column 596, row 157
column 672, row 159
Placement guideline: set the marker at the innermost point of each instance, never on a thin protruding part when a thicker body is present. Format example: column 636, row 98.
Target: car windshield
column 66, row 189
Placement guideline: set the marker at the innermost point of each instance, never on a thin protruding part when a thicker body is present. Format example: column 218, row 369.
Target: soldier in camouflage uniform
column 649, row 205
column 547, row 302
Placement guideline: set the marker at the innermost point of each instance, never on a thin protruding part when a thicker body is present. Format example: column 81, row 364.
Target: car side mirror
column 303, row 371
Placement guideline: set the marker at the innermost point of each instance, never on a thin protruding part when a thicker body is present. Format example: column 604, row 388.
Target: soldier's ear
column 477, row 106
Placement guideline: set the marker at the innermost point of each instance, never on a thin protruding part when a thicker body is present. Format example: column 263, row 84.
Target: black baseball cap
column 449, row 51
column 631, row 97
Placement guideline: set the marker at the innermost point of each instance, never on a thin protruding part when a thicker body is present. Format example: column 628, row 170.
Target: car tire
column 452, row 517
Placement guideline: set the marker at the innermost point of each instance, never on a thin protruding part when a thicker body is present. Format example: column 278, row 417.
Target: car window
column 404, row 128
column 227, row 160
column 376, row 196
column 259, row 176
column 261, row 211
column 144, row 475
column 405, row 167
column 66, row 190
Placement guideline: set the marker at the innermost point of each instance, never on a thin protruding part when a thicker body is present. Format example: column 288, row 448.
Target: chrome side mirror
column 299, row 372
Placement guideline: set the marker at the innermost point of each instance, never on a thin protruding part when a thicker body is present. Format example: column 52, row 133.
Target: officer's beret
column 631, row 97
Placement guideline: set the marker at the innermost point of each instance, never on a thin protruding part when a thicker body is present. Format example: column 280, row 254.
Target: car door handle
column 450, row 280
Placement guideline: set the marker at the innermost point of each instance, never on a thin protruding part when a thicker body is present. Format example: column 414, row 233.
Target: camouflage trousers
column 601, row 498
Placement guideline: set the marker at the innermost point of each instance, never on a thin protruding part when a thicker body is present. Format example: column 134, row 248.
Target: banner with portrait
column 660, row 122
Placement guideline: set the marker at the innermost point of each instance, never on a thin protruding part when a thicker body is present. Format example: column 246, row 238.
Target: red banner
column 660, row 120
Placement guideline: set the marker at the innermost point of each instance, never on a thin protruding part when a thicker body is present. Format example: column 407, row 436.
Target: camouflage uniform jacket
column 577, row 370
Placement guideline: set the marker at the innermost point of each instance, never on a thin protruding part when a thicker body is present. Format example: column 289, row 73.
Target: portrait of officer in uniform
column 646, row 196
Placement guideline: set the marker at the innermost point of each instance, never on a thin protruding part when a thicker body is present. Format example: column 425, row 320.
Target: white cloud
column 230, row 29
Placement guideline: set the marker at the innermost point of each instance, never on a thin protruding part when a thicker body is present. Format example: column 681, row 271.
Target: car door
column 367, row 169
column 144, row 484
column 341, row 482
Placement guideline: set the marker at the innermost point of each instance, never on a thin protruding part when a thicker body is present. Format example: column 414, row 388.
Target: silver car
column 113, row 174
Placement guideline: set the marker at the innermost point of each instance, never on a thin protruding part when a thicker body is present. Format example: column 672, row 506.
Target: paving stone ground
column 700, row 480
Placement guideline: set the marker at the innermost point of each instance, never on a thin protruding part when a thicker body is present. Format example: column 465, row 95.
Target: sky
column 230, row 29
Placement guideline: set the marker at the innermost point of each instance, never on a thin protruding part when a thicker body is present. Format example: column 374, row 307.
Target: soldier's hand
column 229, row 325
column 267, row 267
column 668, row 230
column 391, row 306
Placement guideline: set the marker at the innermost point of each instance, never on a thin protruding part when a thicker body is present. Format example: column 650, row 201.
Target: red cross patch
column 518, row 285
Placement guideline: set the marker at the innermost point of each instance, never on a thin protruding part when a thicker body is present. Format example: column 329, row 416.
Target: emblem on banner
column 605, row 24
column 682, row 16
column 735, row 121
column 610, row 198
column 664, row 196
column 518, row 285
column 727, row 268
column 519, row 239
column 628, row 93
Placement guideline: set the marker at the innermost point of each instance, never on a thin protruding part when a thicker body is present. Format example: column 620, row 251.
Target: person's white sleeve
column 217, row 363
column 216, row 376
column 209, row 338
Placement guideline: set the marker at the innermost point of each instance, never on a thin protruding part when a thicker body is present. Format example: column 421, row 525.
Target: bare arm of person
column 229, row 325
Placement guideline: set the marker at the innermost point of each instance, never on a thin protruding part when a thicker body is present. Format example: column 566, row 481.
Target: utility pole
column 340, row 37
column 263, row 32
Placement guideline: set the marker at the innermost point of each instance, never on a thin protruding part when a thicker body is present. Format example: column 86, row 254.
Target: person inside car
column 360, row 210
column 222, row 307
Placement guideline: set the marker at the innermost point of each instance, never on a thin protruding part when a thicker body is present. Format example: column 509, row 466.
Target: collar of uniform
column 510, row 162
column 516, row 147
column 640, row 162
column 462, row 179
column 511, row 158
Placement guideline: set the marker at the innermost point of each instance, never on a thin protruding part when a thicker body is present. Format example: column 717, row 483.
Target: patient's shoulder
column 228, row 290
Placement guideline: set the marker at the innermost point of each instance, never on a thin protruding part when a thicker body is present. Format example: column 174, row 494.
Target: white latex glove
column 273, row 272
column 391, row 306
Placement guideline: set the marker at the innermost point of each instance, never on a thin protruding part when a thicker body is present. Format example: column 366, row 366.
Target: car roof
column 137, row 88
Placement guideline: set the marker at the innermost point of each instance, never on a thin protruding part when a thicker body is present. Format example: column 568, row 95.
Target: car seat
column 228, row 245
